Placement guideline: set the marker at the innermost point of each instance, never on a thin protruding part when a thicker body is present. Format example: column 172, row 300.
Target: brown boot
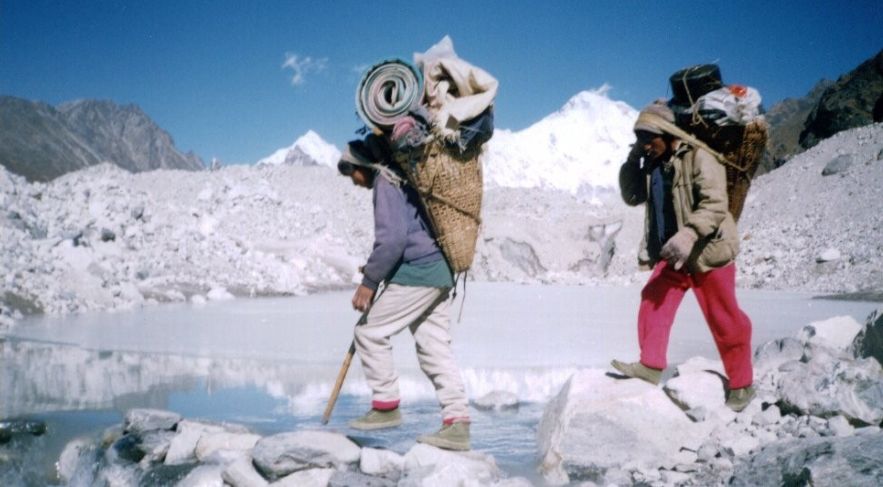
column 454, row 436
column 739, row 399
column 638, row 370
column 376, row 419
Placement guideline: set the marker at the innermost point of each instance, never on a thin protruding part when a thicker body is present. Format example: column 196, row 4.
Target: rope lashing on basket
column 387, row 92
column 682, row 134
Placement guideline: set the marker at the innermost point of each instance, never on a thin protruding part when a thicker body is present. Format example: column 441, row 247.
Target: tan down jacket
column 699, row 190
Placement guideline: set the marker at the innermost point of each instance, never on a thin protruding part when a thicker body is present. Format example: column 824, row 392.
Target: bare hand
column 362, row 298
column 678, row 248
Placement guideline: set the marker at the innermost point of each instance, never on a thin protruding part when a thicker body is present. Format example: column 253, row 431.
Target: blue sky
column 214, row 73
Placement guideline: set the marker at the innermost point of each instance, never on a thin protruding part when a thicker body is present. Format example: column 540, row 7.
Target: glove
column 679, row 246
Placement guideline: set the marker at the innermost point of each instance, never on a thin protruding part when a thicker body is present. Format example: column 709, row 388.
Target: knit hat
column 358, row 153
column 647, row 118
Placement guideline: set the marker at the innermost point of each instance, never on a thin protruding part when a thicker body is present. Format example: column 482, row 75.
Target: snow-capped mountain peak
column 578, row 148
column 309, row 149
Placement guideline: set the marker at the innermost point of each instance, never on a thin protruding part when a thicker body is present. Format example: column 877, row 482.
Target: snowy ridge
column 308, row 150
column 577, row 149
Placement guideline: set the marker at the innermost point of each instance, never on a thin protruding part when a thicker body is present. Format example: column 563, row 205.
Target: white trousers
column 425, row 311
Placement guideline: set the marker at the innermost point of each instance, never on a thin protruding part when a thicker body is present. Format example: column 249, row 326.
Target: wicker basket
column 743, row 148
column 747, row 159
column 450, row 186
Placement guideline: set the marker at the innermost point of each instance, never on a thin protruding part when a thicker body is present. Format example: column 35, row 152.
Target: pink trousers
column 716, row 294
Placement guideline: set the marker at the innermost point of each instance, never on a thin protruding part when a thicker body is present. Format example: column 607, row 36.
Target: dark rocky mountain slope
column 786, row 120
column 849, row 103
column 41, row 142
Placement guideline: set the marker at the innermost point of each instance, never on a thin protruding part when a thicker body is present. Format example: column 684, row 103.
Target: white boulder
column 375, row 461
column 313, row 477
column 242, row 473
column 696, row 389
column 279, row 455
column 598, row 423
column 221, row 443
column 183, row 446
column 837, row 332
column 428, row 466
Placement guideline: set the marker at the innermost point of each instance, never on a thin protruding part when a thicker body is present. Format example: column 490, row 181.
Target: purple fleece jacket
column 401, row 233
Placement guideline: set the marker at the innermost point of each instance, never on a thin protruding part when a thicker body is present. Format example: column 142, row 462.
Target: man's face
column 360, row 177
column 653, row 145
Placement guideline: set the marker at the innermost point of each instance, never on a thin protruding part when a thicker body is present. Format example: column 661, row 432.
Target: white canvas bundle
column 740, row 104
column 455, row 90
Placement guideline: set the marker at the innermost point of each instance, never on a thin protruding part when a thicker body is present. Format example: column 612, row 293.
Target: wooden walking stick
column 339, row 383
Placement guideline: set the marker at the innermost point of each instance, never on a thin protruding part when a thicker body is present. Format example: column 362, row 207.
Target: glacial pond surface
column 270, row 363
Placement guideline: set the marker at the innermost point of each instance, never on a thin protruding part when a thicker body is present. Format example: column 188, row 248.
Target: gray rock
column 117, row 476
column 828, row 384
column 12, row 427
column 357, row 479
column 124, row 450
column 768, row 416
column 203, row 476
column 869, row 341
column 142, row 420
column 836, row 462
column 183, row 446
column 168, row 474
column 155, row 445
column 279, row 455
column 242, row 473
column 774, row 353
column 839, row 164
column 839, row 426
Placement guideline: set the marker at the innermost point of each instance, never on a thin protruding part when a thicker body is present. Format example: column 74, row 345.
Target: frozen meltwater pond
column 270, row 363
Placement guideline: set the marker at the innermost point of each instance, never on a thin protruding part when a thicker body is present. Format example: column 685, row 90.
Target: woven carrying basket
column 743, row 148
column 450, row 186
column 747, row 159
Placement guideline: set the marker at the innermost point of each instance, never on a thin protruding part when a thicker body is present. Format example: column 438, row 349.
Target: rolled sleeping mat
column 387, row 92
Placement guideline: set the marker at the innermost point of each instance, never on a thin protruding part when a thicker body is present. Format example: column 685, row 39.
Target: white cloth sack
column 455, row 91
column 740, row 104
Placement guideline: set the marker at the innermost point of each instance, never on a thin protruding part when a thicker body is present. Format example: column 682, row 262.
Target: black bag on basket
column 739, row 147
column 688, row 84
